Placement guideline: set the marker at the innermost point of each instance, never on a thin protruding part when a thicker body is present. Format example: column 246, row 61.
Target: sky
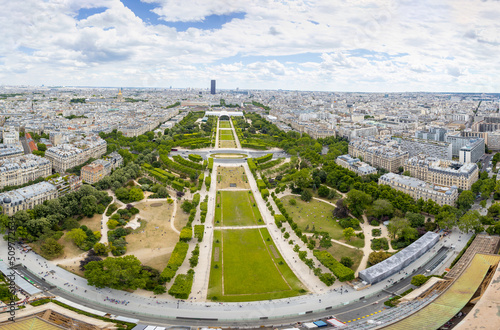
column 323, row 45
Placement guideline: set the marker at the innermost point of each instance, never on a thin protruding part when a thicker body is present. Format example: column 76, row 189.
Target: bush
column 419, row 280
column 208, row 181
column 186, row 234
column 327, row 278
column 112, row 208
column 195, row 158
column 376, row 257
column 182, row 285
column 346, row 261
column 292, row 201
column 376, row 232
column 199, row 230
column 380, row 244
column 342, row 272
column 264, row 193
column 176, row 259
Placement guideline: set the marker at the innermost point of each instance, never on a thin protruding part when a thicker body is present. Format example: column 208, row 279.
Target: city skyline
column 365, row 46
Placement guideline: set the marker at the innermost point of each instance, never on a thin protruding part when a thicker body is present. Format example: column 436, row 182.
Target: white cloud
column 362, row 45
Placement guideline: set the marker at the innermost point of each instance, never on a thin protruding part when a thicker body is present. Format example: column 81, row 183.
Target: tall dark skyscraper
column 212, row 87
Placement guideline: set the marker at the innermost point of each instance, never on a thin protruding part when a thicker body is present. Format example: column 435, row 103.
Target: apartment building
column 420, row 189
column 355, row 165
column 414, row 146
column 442, row 172
column 66, row 156
column 381, row 153
column 66, row 184
column 472, row 151
column 10, row 150
column 100, row 168
column 27, row 197
column 22, row 169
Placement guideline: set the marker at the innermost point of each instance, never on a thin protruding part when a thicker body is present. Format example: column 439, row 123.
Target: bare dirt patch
column 154, row 243
column 93, row 223
column 232, row 175
column 216, row 254
column 273, row 251
column 156, row 204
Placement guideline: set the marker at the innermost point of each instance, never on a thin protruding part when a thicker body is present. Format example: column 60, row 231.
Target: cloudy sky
column 332, row 45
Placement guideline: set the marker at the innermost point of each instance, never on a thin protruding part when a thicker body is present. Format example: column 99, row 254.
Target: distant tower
column 119, row 98
column 212, row 87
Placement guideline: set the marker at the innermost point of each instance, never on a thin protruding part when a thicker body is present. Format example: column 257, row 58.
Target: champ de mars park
column 226, row 221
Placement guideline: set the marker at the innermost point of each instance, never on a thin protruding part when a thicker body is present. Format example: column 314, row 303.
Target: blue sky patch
column 84, row 13
column 27, row 50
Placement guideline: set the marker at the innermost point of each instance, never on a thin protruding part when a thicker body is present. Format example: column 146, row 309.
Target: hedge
column 264, row 159
column 178, row 186
column 196, row 199
column 195, row 158
column 186, row 234
column 270, row 164
column 251, row 165
column 204, row 206
column 182, row 285
column 198, row 232
column 210, row 163
column 264, row 193
column 208, row 181
column 176, row 167
column 340, row 271
column 175, row 261
column 187, row 163
column 261, row 184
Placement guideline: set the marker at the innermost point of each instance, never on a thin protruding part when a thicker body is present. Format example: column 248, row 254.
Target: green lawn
column 247, row 269
column 224, row 124
column 226, row 137
column 338, row 251
column 317, row 215
column 237, row 209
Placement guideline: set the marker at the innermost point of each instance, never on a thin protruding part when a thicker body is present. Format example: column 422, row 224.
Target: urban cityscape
column 164, row 171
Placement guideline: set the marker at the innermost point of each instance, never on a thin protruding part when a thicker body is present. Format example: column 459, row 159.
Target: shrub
column 419, row 280
column 346, row 261
column 182, row 285
column 186, row 234
column 292, row 201
column 175, row 261
column 327, row 278
column 376, row 232
column 376, row 257
column 342, row 272
column 199, row 231
column 195, row 158
column 264, row 193
column 380, row 244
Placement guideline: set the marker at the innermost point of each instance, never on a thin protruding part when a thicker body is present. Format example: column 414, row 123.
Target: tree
column 357, row 201
column 41, row 146
column 89, row 205
column 341, row 211
column 306, row 195
column 469, row 221
column 376, row 257
column 446, row 220
column 135, row 194
column 51, row 248
column 292, row 201
column 122, row 193
column 419, row 280
column 159, row 289
column 396, row 226
column 348, row 233
column 100, row 249
column 323, row 191
column 416, row 219
column 346, row 261
column 465, row 200
column 186, row 206
column 117, row 273
column 380, row 208
column 77, row 235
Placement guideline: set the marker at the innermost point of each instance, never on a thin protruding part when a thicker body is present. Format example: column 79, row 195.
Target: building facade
column 100, row 168
column 420, row 189
column 473, row 151
column 22, row 169
column 442, row 172
column 378, row 153
column 355, row 165
column 27, row 197
column 66, row 156
column 9, row 151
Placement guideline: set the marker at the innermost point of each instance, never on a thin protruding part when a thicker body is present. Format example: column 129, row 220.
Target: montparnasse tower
column 119, row 98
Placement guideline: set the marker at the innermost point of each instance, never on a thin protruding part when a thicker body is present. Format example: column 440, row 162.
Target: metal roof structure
column 19, row 280
column 453, row 300
column 400, row 260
